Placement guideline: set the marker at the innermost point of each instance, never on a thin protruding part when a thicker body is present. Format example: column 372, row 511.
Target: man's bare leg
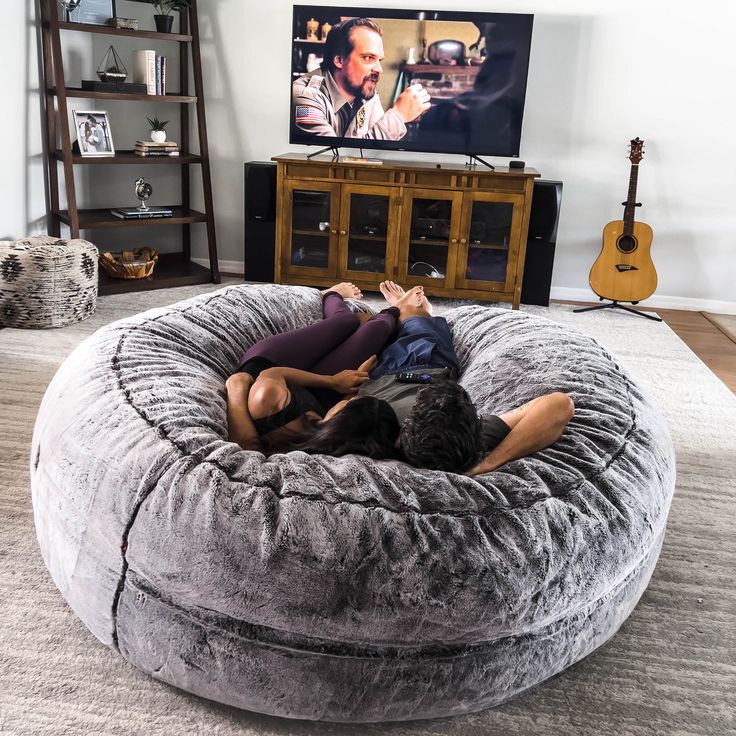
column 345, row 289
column 534, row 426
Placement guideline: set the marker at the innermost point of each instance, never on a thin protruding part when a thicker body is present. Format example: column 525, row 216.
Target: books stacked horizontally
column 134, row 213
column 150, row 148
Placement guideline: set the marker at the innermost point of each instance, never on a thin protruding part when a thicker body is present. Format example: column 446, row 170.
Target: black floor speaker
column 540, row 244
column 260, row 220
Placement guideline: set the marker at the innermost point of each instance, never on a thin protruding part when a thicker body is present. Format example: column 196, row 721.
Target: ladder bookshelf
column 173, row 269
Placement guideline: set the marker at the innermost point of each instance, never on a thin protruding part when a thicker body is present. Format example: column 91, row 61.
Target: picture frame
column 94, row 136
column 94, row 12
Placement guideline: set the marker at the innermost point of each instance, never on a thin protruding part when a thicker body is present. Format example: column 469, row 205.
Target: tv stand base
column 335, row 152
column 471, row 162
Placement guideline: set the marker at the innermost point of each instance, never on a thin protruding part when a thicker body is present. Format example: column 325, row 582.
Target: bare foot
column 411, row 298
column 346, row 290
column 393, row 293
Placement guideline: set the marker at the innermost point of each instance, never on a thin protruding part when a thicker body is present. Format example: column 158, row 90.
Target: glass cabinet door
column 311, row 222
column 490, row 223
column 429, row 237
column 367, row 232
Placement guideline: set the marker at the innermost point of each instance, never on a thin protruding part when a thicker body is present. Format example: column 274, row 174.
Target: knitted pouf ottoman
column 47, row 282
column 342, row 589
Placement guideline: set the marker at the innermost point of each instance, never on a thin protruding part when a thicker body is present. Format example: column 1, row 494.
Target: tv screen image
column 437, row 81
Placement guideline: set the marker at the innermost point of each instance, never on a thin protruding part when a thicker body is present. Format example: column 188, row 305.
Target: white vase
column 158, row 136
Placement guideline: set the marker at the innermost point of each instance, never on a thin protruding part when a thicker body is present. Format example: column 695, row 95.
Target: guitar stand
column 616, row 305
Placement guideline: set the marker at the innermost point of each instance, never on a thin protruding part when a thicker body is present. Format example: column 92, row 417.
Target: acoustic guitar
column 624, row 272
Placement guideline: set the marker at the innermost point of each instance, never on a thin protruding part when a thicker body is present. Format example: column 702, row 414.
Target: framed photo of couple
column 93, row 133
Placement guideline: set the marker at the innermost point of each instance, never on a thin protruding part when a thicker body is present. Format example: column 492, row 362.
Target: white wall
column 598, row 77
column 22, row 200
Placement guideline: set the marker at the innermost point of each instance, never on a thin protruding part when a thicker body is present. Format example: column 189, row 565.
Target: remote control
column 414, row 377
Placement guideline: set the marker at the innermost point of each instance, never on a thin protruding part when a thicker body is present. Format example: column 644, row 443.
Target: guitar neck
column 630, row 205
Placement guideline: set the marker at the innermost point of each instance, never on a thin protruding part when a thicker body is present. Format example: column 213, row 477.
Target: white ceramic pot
column 158, row 136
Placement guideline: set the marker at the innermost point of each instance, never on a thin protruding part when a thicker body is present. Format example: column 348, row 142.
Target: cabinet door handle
column 454, row 240
column 334, row 232
column 463, row 240
column 343, row 232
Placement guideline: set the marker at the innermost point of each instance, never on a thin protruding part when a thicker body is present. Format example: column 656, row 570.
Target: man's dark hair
column 339, row 41
column 365, row 426
column 443, row 430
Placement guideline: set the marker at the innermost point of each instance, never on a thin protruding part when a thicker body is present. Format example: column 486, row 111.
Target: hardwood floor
column 714, row 348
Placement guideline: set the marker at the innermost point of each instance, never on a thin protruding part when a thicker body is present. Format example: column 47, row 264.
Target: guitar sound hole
column 626, row 243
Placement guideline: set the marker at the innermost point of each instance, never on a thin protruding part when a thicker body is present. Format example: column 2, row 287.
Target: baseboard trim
column 228, row 267
column 573, row 295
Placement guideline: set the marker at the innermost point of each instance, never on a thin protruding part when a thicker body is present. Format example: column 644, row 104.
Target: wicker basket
column 129, row 264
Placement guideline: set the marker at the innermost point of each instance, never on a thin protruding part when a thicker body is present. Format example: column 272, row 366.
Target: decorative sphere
column 143, row 190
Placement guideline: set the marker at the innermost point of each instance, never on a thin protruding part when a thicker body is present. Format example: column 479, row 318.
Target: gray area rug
column 671, row 669
column 726, row 323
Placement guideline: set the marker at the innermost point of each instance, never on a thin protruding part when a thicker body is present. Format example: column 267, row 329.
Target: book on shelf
column 133, row 213
column 156, row 153
column 144, row 69
column 149, row 68
column 156, row 149
column 154, row 144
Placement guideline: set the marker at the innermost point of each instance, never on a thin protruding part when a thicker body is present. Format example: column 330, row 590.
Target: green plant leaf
column 157, row 124
column 165, row 7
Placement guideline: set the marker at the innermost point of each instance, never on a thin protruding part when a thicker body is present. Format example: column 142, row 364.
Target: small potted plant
column 163, row 18
column 158, row 129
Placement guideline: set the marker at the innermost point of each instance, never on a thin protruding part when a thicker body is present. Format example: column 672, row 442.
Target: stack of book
column 134, row 213
column 150, row 148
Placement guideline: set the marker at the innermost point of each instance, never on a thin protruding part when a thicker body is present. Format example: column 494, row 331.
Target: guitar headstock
column 636, row 150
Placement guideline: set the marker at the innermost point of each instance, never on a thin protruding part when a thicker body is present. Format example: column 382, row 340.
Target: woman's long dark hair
column 365, row 426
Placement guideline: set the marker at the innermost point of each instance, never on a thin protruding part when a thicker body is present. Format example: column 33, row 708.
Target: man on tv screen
column 339, row 99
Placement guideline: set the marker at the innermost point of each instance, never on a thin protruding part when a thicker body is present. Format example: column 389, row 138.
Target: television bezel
column 467, row 16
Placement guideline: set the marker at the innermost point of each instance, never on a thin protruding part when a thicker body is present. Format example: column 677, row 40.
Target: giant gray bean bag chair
column 341, row 589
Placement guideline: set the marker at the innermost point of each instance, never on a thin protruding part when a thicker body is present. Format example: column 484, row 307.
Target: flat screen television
column 438, row 81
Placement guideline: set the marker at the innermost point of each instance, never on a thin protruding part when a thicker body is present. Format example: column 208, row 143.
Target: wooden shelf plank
column 418, row 70
column 367, row 237
column 487, row 246
column 110, row 31
column 128, row 158
column 171, row 270
column 430, row 242
column 316, row 233
column 91, row 94
column 101, row 218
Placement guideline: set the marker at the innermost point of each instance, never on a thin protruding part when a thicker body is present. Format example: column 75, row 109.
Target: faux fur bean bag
column 341, row 589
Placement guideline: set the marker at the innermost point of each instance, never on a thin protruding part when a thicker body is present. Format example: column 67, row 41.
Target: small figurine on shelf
column 143, row 190
column 411, row 59
column 326, row 28
column 312, row 28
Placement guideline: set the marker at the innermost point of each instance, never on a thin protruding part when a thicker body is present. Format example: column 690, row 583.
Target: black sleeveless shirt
column 302, row 399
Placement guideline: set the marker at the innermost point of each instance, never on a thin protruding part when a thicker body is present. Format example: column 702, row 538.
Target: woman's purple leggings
column 336, row 343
